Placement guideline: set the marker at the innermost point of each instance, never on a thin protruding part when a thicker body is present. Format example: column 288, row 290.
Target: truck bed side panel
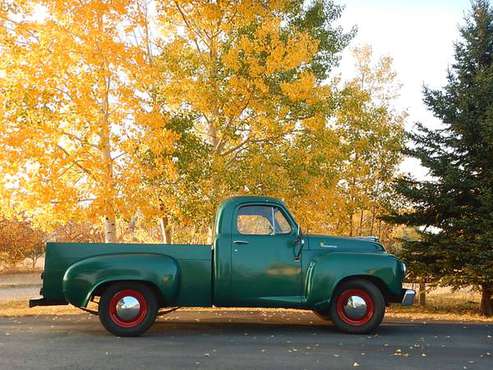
column 194, row 267
column 195, row 284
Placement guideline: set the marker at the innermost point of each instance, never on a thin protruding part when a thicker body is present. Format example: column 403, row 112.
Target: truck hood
column 343, row 244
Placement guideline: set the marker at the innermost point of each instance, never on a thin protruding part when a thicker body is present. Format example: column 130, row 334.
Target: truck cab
column 261, row 243
column 259, row 258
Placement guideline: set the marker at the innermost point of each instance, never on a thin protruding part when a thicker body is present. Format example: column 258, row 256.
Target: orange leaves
column 19, row 240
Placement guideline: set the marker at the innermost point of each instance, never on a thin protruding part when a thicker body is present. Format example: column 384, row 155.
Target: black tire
column 375, row 307
column 148, row 307
column 322, row 315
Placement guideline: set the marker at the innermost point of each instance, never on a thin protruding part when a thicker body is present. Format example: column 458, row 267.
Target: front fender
column 325, row 272
column 83, row 277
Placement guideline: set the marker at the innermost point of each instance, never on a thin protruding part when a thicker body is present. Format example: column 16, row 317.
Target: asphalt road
column 241, row 340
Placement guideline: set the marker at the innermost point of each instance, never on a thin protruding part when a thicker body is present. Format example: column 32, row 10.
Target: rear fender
column 326, row 272
column 85, row 276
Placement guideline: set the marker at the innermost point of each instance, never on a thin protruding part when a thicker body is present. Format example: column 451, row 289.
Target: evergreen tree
column 454, row 207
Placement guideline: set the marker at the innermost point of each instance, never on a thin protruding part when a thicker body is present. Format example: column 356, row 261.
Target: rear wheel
column 358, row 307
column 128, row 309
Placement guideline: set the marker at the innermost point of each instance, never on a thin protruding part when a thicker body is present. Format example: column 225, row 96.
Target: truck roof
column 250, row 198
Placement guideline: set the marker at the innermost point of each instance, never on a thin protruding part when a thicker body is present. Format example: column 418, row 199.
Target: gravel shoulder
column 20, row 278
column 19, row 286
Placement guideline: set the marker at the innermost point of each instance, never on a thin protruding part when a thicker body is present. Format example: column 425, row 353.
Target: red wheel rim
column 342, row 300
column 142, row 309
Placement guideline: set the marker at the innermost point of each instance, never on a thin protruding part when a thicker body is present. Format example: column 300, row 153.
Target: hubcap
column 355, row 307
column 128, row 308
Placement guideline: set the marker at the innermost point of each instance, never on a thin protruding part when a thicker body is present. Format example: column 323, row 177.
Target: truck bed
column 194, row 262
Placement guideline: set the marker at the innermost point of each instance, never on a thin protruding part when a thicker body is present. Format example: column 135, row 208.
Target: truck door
column 264, row 269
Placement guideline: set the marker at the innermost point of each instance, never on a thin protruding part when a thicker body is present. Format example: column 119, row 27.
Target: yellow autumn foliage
column 76, row 110
column 158, row 110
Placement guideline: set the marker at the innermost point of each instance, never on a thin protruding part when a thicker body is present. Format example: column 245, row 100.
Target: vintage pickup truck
column 259, row 258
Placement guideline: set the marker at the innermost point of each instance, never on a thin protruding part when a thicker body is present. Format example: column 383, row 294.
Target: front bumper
column 408, row 297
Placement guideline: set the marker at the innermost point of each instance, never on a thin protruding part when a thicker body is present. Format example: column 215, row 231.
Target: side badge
column 323, row 245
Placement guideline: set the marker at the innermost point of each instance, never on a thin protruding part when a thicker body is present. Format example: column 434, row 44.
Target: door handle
column 240, row 242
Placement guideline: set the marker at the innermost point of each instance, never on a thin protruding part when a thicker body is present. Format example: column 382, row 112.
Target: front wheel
column 358, row 307
column 127, row 309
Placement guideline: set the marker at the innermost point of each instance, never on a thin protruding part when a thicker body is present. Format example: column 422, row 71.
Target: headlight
column 404, row 268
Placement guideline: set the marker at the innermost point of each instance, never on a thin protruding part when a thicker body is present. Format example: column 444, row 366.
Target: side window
column 255, row 220
column 262, row 220
column 282, row 225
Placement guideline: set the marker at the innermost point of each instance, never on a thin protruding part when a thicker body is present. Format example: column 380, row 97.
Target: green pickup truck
column 259, row 258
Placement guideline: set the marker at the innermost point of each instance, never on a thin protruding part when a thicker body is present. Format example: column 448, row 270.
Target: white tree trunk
column 422, row 293
column 165, row 230
column 109, row 230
